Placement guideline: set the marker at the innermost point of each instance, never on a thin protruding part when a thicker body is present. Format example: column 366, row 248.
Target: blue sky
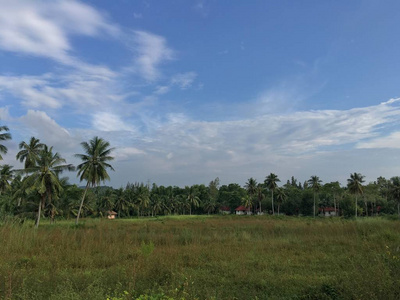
column 190, row 90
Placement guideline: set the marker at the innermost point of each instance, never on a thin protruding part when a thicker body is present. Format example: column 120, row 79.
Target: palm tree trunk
column 39, row 211
column 278, row 208
column 273, row 210
column 314, row 205
column 334, row 204
column 398, row 209
column 356, row 206
column 80, row 206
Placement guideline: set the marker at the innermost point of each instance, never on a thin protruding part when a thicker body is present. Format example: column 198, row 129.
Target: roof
column 225, row 208
column 327, row 209
column 242, row 208
column 112, row 212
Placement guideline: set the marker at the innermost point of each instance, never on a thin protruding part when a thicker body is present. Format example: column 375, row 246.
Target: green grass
column 202, row 257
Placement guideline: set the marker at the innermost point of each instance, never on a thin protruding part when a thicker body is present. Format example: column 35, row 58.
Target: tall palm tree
column 251, row 187
column 44, row 178
column 192, row 198
column 29, row 152
column 315, row 184
column 6, row 177
column 4, row 137
column 271, row 183
column 260, row 196
column 94, row 165
column 354, row 183
column 280, row 197
column 395, row 191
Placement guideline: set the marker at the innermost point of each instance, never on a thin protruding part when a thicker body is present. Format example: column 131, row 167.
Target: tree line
column 38, row 190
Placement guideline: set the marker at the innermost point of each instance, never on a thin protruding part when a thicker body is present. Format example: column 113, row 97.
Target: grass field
column 219, row 257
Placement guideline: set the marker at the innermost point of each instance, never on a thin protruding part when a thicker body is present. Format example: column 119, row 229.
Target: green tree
column 251, row 188
column 192, row 198
column 44, row 178
column 395, row 191
column 260, row 196
column 6, row 177
column 29, row 152
column 93, row 168
column 271, row 183
column 247, row 202
column 354, row 184
column 315, row 184
column 4, row 137
column 280, row 197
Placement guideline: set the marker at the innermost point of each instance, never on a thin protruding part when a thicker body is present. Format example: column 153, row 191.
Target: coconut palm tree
column 44, row 178
column 6, row 177
column 280, row 197
column 271, row 183
column 315, row 184
column 354, row 183
column 29, row 152
column 395, row 191
column 4, row 137
column 247, row 202
column 93, row 168
column 260, row 196
column 192, row 198
column 251, row 187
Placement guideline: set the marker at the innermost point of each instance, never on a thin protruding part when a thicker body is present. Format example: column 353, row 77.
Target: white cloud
column 39, row 124
column 33, row 90
column 151, row 51
column 105, row 121
column 41, row 28
column 392, row 141
column 124, row 153
column 184, row 80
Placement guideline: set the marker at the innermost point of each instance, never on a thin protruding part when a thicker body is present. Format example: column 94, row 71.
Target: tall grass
column 202, row 258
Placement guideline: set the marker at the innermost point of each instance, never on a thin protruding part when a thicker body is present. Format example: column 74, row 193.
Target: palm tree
column 210, row 205
column 29, row 152
column 280, row 197
column 44, row 177
column 247, row 202
column 395, row 191
column 4, row 137
column 251, row 187
column 354, row 183
column 270, row 182
column 192, row 198
column 6, row 176
column 315, row 184
column 260, row 196
column 142, row 196
column 94, row 167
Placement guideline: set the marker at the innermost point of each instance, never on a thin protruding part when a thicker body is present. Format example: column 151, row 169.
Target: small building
column 241, row 210
column 328, row 211
column 225, row 210
column 111, row 215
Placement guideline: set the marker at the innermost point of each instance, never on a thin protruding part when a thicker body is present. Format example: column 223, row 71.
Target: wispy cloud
column 184, row 80
column 42, row 28
column 151, row 51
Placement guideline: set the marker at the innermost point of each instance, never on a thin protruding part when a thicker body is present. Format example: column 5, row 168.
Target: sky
column 187, row 91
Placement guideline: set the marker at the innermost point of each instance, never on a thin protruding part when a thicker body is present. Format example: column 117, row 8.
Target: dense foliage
column 38, row 190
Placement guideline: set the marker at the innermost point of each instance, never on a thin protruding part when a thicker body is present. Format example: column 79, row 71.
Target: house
column 111, row 215
column 328, row 211
column 241, row 210
column 225, row 210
